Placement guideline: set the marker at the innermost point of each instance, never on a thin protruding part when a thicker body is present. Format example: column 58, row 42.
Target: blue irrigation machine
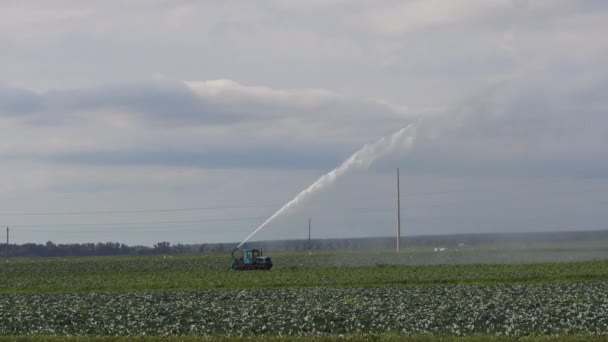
column 251, row 259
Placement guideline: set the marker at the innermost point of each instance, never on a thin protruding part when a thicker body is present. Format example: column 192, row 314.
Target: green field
column 363, row 296
column 338, row 269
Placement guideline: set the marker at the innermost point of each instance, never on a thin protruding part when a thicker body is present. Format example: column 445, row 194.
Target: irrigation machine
column 249, row 260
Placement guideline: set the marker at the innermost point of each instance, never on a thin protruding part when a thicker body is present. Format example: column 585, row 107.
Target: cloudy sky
column 193, row 121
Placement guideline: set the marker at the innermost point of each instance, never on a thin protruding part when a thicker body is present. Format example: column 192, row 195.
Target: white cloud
column 229, row 90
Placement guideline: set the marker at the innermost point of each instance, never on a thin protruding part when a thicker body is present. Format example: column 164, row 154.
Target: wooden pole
column 398, row 213
column 7, row 243
column 309, row 241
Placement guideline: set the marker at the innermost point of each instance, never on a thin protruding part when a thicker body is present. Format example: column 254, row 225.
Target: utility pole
column 398, row 213
column 7, row 243
column 309, row 241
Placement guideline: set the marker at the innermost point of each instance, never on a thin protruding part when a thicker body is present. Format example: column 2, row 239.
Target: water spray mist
column 361, row 159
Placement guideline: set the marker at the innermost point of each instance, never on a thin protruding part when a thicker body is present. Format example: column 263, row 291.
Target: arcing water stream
column 363, row 158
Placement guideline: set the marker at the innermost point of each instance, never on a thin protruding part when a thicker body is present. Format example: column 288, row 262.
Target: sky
column 194, row 121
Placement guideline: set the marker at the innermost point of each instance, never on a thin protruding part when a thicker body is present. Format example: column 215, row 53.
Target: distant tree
column 217, row 248
column 51, row 249
column 163, row 247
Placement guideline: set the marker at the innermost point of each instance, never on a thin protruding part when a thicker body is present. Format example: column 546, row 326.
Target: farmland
column 454, row 310
column 328, row 269
column 323, row 294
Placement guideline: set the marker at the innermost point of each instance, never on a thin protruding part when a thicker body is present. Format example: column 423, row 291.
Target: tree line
column 51, row 249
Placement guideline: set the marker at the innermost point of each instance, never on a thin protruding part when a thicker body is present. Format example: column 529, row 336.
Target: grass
column 292, row 270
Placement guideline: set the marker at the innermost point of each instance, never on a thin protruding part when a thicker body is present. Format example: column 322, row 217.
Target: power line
column 130, row 211
column 137, row 223
column 137, row 232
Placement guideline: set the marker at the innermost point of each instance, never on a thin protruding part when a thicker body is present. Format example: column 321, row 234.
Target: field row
column 454, row 310
column 196, row 272
column 388, row 337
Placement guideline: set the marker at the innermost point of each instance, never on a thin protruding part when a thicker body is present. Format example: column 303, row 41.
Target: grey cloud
column 261, row 127
column 169, row 101
column 420, row 68
column 511, row 130
column 166, row 101
column 519, row 128
column 263, row 157
column 14, row 101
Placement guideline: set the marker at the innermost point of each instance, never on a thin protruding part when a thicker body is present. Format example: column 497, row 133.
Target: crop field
column 335, row 269
column 561, row 308
column 373, row 295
